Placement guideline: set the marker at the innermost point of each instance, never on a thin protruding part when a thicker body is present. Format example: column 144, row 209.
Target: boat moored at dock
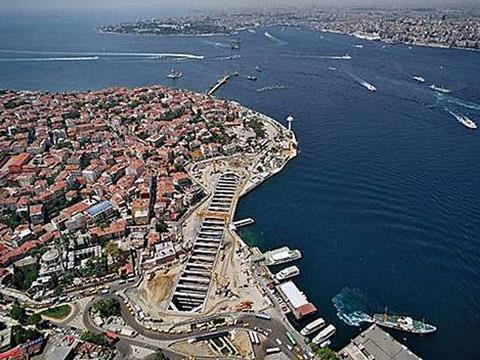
column 312, row 327
column 403, row 323
column 324, row 335
column 287, row 273
column 281, row 256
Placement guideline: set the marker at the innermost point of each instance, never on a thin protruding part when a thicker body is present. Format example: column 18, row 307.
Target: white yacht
column 287, row 273
column 312, row 327
column 324, row 335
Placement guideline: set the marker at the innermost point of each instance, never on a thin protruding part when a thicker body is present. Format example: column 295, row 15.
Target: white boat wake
column 274, row 38
column 362, row 82
column 84, row 58
column 453, row 100
column 222, row 58
column 328, row 57
column 106, row 54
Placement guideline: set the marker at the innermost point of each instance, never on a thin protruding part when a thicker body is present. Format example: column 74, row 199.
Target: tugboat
column 174, row 74
column 403, row 323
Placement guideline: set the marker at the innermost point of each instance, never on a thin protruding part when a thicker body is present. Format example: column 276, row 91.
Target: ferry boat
column 419, row 79
column 287, row 273
column 312, row 327
column 281, row 256
column 174, row 74
column 403, row 323
column 324, row 335
column 465, row 121
column 440, row 89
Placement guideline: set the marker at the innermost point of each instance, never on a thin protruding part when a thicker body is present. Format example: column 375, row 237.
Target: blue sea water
column 384, row 197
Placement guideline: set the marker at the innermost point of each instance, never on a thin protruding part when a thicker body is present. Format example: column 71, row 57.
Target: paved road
column 274, row 329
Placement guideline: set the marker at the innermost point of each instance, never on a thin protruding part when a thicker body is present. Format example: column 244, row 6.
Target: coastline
column 386, row 42
column 357, row 35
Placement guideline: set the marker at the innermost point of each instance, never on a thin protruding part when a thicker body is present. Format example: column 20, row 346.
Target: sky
column 206, row 4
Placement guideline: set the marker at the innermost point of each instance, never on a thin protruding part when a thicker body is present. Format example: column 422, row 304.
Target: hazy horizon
column 219, row 5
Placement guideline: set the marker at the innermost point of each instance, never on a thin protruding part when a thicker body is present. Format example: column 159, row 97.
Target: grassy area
column 58, row 312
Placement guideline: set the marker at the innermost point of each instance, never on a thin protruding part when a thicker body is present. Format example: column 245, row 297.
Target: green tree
column 34, row 319
column 107, row 307
column 24, row 276
column 325, row 353
column 159, row 355
column 18, row 313
column 111, row 249
column 19, row 335
column 96, row 338
column 161, row 227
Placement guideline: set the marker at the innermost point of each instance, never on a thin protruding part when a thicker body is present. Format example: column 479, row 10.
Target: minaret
column 289, row 121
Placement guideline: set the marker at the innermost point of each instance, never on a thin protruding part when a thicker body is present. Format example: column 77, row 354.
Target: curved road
column 274, row 327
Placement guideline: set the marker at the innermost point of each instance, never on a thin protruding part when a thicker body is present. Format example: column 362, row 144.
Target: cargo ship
column 403, row 323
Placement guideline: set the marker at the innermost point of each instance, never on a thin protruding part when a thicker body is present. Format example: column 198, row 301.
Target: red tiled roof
column 306, row 309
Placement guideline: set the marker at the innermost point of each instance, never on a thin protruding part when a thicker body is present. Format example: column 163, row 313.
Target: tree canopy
column 107, row 307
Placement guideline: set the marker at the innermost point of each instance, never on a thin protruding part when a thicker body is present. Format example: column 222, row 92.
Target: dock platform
column 375, row 343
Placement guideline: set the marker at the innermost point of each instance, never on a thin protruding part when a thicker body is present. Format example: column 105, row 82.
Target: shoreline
column 386, row 42
column 331, row 31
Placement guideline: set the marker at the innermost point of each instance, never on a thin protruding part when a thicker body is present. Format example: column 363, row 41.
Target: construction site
column 215, row 276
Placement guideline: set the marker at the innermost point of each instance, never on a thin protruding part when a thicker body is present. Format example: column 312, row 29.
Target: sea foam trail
column 84, row 58
column 222, row 58
column 352, row 306
column 359, row 80
column 321, row 57
column 133, row 54
column 274, row 38
column 453, row 100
